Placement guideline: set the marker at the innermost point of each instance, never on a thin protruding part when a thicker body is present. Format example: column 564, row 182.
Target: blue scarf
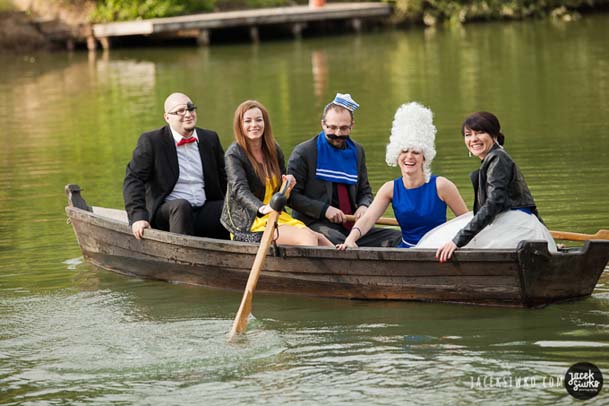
column 336, row 165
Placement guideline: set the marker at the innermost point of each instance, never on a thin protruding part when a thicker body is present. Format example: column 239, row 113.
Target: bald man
column 176, row 180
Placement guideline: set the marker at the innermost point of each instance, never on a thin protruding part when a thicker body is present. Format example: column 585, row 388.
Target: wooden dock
column 199, row 26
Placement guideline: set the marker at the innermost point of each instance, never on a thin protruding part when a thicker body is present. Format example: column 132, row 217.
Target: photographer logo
column 583, row 380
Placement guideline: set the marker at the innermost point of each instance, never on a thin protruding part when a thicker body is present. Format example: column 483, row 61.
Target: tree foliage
column 460, row 11
column 120, row 10
column 428, row 11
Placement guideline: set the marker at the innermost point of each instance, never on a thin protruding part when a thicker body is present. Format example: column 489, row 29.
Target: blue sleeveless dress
column 417, row 210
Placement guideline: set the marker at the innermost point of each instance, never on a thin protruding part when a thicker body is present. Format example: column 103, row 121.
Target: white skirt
column 506, row 231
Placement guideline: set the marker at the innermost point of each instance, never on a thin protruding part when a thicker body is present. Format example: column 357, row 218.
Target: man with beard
column 176, row 179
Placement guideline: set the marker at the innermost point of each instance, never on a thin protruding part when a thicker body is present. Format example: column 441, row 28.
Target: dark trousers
column 376, row 237
column 178, row 216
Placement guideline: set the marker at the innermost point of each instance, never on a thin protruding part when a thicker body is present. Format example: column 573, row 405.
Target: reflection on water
column 72, row 333
column 129, row 340
column 320, row 72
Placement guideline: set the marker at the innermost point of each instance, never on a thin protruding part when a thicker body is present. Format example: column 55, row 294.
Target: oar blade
column 240, row 323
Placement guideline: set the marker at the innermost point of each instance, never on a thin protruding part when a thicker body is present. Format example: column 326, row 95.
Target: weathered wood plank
column 244, row 18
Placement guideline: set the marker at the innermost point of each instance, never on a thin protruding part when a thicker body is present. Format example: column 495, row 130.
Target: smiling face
column 178, row 115
column 337, row 125
column 478, row 143
column 411, row 161
column 253, row 124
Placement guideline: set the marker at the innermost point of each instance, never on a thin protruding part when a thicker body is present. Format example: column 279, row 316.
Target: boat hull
column 525, row 277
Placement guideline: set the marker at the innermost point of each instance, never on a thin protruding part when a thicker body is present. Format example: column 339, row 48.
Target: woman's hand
column 291, row 181
column 349, row 241
column 361, row 210
column 345, row 245
column 445, row 252
column 265, row 209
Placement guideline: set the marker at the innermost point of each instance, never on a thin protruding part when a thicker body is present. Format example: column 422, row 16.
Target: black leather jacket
column 245, row 191
column 498, row 186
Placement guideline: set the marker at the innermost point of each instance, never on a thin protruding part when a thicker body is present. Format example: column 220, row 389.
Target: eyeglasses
column 190, row 107
column 343, row 128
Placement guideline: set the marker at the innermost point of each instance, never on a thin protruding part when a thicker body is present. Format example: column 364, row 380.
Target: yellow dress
column 259, row 223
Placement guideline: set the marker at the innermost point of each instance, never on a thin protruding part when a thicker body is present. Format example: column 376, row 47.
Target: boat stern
column 552, row 277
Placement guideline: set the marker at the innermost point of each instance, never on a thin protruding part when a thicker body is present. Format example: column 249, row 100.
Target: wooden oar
column 386, row 221
column 567, row 235
column 277, row 203
column 559, row 235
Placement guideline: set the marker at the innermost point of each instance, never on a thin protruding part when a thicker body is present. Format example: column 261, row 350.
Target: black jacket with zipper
column 498, row 186
column 245, row 191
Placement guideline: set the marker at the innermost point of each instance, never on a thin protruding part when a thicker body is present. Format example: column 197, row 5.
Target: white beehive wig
column 412, row 129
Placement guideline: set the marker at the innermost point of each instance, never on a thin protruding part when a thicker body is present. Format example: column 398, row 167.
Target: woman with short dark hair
column 504, row 210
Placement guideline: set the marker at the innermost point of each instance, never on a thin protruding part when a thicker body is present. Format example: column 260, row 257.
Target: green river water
column 74, row 334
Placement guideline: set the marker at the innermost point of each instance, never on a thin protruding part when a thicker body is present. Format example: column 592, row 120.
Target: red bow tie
column 186, row 141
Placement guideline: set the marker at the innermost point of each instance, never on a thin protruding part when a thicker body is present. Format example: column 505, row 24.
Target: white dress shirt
column 190, row 184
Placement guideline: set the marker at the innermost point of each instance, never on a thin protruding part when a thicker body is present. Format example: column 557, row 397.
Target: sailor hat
column 345, row 101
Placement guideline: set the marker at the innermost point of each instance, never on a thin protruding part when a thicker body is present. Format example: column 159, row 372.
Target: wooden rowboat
column 523, row 277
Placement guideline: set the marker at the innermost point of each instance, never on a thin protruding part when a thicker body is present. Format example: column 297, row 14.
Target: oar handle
column 382, row 220
column 284, row 189
column 567, row 235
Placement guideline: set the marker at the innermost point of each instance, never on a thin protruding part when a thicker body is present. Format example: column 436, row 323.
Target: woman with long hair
column 255, row 169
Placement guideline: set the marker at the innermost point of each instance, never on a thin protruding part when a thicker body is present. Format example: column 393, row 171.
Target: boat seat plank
column 114, row 214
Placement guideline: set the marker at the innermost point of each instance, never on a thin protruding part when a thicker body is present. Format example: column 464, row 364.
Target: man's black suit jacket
column 153, row 172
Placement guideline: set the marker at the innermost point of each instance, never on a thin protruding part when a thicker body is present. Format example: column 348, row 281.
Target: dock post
column 203, row 38
column 297, row 30
column 105, row 43
column 70, row 44
column 356, row 23
column 91, row 44
column 254, row 34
